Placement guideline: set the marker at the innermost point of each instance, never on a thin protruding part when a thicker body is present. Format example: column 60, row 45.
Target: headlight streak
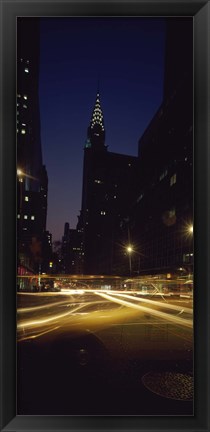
column 36, row 323
column 163, row 305
column 163, row 315
column 46, row 306
column 39, row 334
column 31, row 323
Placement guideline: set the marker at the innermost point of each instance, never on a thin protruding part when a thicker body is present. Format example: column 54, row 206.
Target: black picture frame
column 200, row 10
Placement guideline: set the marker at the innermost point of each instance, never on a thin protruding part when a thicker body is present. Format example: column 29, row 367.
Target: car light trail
column 32, row 323
column 163, row 305
column 163, row 315
column 39, row 334
column 46, row 306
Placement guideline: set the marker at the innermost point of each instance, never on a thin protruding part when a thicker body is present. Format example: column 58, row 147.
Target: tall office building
column 108, row 190
column 32, row 180
column 162, row 218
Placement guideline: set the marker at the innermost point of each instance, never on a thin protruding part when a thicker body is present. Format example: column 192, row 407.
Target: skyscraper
column 162, row 218
column 32, row 180
column 108, row 189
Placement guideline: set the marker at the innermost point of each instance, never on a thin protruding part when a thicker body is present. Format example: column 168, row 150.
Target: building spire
column 97, row 115
column 96, row 130
column 98, row 84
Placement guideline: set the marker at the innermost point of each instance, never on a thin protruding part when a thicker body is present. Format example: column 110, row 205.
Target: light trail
column 163, row 315
column 46, row 306
column 39, row 334
column 163, row 305
column 31, row 323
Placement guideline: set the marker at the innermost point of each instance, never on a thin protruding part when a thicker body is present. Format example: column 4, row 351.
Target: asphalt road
column 83, row 352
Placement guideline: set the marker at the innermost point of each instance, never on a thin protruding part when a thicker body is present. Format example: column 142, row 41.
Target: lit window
column 26, row 70
column 172, row 213
column 23, row 131
column 140, row 197
column 26, row 198
column 32, row 217
column 23, row 124
column 25, row 97
column 25, row 217
column 173, row 180
column 24, row 106
column 17, row 130
column 103, row 213
column 163, row 175
column 18, row 216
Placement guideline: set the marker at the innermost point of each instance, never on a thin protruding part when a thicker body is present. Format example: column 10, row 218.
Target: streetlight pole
column 190, row 231
column 20, row 209
column 130, row 250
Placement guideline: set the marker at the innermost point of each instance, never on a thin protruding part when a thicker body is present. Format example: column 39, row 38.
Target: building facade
column 161, row 221
column 32, row 179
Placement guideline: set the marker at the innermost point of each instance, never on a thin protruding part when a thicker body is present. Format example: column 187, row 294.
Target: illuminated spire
column 97, row 116
column 96, row 131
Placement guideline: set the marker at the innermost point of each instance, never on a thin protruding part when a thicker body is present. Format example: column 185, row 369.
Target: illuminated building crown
column 96, row 131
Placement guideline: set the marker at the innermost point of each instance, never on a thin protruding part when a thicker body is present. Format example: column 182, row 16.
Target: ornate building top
column 96, row 130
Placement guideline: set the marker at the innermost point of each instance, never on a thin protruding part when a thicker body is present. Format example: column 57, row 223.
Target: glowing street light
column 129, row 249
column 19, row 172
column 190, row 229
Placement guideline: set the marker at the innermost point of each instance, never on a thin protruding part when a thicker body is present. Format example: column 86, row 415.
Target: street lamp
column 190, row 229
column 129, row 250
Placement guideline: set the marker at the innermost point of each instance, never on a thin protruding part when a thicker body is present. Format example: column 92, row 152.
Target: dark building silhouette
column 108, row 190
column 65, row 249
column 32, row 180
column 161, row 222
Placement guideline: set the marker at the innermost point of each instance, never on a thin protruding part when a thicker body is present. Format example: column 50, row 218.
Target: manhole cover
column 172, row 385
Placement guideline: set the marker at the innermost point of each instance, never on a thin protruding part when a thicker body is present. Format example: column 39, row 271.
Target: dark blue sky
column 127, row 54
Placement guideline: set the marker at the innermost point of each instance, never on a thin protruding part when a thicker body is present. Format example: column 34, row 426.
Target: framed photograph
column 105, row 190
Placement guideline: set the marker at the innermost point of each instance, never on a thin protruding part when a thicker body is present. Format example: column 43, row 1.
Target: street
column 89, row 351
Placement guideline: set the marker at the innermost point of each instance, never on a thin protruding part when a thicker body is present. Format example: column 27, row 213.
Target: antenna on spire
column 98, row 83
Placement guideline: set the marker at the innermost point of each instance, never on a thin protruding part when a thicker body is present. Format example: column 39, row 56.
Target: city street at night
column 105, row 224
column 104, row 351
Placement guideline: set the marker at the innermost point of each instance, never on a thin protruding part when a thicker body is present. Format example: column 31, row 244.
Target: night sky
column 126, row 55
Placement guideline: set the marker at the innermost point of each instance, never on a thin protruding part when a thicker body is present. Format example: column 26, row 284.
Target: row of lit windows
column 172, row 179
column 24, row 96
column 22, row 131
column 27, row 61
column 172, row 182
column 26, row 217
